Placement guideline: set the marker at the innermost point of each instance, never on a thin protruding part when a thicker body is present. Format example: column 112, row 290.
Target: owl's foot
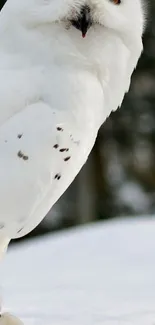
column 8, row 319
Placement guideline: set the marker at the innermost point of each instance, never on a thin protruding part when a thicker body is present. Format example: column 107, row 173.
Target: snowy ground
column 99, row 274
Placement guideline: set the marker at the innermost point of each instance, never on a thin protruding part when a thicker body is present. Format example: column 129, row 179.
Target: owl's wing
column 127, row 66
column 132, row 62
column 38, row 160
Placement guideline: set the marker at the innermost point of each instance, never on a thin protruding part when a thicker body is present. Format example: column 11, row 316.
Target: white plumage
column 56, row 89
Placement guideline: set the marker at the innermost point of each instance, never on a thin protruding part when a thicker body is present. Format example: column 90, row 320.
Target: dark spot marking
column 6, row 141
column 57, row 176
column 62, row 150
column 2, row 225
column 67, row 158
column 25, row 157
column 22, row 155
column 20, row 230
column 19, row 136
column 56, row 146
column 59, row 128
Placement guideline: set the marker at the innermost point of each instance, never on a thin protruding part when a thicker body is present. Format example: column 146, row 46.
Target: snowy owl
column 64, row 66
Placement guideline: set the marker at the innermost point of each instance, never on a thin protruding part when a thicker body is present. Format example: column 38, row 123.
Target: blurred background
column 119, row 176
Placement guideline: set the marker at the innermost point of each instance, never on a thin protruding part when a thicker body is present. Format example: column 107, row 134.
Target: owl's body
column 56, row 89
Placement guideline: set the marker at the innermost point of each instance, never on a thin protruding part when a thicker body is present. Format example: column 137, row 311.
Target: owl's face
column 123, row 16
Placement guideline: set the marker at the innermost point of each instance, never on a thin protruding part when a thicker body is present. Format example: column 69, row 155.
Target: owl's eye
column 116, row 2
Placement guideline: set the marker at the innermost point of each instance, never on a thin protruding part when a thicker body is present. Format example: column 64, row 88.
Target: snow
column 103, row 273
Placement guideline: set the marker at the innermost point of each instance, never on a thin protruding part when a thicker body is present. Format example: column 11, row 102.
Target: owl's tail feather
column 4, row 242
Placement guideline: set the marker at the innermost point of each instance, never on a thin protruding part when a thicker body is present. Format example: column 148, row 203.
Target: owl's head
column 123, row 18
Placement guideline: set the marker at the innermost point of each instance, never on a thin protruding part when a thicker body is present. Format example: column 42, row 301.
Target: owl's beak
column 84, row 21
